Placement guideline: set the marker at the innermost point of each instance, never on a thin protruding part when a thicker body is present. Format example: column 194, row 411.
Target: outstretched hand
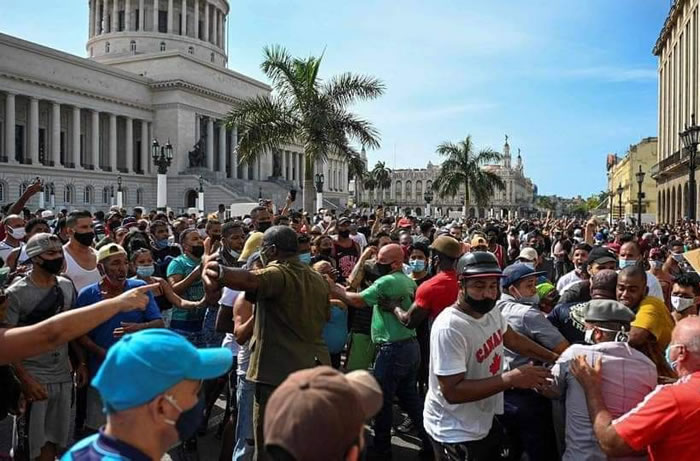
column 136, row 298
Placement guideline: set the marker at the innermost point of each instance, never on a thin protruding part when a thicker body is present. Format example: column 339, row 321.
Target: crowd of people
column 479, row 339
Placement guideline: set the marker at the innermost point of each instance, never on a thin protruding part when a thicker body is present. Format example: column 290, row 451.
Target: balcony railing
column 672, row 161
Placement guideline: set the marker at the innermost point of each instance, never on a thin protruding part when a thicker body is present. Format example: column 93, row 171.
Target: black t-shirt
column 365, row 230
column 163, row 256
column 568, row 318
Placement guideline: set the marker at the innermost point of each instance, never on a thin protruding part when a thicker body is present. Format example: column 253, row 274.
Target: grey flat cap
column 41, row 243
column 607, row 310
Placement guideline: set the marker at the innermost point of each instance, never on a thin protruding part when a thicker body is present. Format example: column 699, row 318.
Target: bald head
column 391, row 254
column 687, row 332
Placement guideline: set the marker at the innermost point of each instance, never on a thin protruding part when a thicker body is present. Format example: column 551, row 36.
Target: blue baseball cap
column 142, row 365
column 516, row 272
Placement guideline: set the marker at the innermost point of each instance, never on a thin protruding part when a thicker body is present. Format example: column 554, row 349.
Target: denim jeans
column 522, row 407
column 244, row 447
column 396, row 370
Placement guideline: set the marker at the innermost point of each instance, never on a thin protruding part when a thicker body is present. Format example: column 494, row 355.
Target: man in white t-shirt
column 466, row 383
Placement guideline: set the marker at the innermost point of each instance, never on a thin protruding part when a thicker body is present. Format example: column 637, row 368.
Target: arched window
column 419, row 190
column 22, row 188
column 92, row 53
column 190, row 50
column 107, row 195
column 397, row 190
column 132, row 46
column 212, row 56
column 107, row 47
column 3, row 192
column 68, row 194
column 162, row 46
column 139, row 196
column 409, row 190
column 89, row 194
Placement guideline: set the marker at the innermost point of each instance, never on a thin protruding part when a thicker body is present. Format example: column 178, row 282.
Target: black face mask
column 197, row 251
column 383, row 269
column 263, row 226
column 52, row 266
column 84, row 238
column 482, row 306
column 344, row 234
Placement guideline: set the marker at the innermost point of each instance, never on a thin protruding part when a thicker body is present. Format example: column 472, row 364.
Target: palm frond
column 348, row 88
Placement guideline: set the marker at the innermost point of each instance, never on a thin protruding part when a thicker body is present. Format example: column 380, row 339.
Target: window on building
column 3, row 192
column 132, row 46
column 212, row 56
column 68, row 194
column 138, row 19
column 162, row 21
column 22, row 188
column 190, row 50
column 19, row 143
column 88, row 194
column 106, row 195
column 162, row 46
column 125, row 195
column 121, row 21
column 139, row 196
column 107, row 47
column 92, row 51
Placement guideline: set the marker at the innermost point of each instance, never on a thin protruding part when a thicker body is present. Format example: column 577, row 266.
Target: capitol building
column 408, row 187
column 156, row 70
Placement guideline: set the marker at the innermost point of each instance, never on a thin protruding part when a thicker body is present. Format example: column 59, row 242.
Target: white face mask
column 680, row 304
column 18, row 233
column 621, row 337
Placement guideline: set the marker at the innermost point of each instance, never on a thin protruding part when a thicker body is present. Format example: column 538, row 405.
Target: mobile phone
column 293, row 194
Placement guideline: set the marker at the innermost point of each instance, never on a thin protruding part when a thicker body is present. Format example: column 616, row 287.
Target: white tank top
column 80, row 277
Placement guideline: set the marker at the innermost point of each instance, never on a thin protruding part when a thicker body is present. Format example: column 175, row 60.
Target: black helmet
column 478, row 264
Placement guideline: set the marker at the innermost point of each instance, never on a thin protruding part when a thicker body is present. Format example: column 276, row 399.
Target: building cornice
column 74, row 91
column 676, row 9
column 178, row 84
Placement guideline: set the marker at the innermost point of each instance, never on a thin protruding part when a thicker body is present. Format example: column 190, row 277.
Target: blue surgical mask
column 145, row 271
column 160, row 244
column 305, row 258
column 627, row 263
column 417, row 265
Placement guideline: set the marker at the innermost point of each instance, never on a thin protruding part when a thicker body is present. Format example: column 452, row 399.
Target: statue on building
column 197, row 156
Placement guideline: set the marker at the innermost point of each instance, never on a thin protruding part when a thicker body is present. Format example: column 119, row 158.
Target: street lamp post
column 200, row 198
column 611, row 200
column 428, row 196
column 120, row 192
column 640, row 195
column 319, row 190
column 619, row 201
column 162, row 158
column 690, row 138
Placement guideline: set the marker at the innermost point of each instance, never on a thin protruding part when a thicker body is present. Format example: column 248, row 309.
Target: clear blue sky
column 568, row 81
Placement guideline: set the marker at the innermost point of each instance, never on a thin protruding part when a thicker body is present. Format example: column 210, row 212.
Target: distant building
column 408, row 187
column 622, row 172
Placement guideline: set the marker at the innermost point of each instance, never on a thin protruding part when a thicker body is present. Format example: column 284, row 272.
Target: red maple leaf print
column 495, row 366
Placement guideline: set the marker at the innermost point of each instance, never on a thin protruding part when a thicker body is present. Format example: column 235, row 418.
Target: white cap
column 47, row 214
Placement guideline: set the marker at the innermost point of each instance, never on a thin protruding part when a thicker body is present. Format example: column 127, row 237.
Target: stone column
column 218, row 27
column 55, row 134
column 32, row 152
column 210, row 144
column 91, row 32
column 283, row 154
column 95, row 138
column 129, row 145
column 75, row 127
column 222, row 147
column 171, row 13
column 97, row 18
column 10, row 127
column 113, row 143
column 196, row 19
column 142, row 16
column 302, row 170
column 183, row 19
column 206, row 20
column 104, row 24
column 115, row 16
column 127, row 14
column 145, row 144
column 197, row 123
column 234, row 152
column 155, row 15
column 223, row 31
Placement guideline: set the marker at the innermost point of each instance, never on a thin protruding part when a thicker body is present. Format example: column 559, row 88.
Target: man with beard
column 466, row 384
column 162, row 250
column 113, row 265
column 46, row 378
column 261, row 220
column 631, row 255
column 81, row 258
column 346, row 251
column 581, row 251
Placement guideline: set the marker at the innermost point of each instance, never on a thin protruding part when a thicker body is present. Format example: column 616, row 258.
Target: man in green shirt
column 398, row 357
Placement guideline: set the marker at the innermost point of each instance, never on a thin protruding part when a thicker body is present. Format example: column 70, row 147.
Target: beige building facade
column 677, row 51
column 156, row 70
column 622, row 177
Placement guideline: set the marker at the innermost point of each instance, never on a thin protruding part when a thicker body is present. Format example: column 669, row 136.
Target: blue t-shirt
column 103, row 334
column 102, row 447
column 335, row 332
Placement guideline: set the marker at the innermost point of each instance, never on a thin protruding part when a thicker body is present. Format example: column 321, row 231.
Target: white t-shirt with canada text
column 460, row 343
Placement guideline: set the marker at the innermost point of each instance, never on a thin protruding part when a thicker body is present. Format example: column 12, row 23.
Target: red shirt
column 666, row 422
column 438, row 293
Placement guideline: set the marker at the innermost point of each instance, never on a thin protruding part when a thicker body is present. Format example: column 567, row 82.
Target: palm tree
column 370, row 184
column 462, row 169
column 357, row 170
column 382, row 177
column 304, row 109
